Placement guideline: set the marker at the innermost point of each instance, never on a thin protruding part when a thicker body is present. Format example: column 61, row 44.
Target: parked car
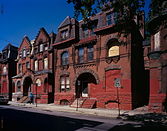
column 3, row 100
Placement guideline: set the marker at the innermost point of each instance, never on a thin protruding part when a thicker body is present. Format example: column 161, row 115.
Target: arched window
column 18, row 86
column 113, row 51
column 64, row 58
column 45, row 63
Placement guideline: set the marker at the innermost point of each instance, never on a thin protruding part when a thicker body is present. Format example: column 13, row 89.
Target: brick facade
column 34, row 68
column 98, row 67
column 96, row 75
column 7, row 70
column 158, row 64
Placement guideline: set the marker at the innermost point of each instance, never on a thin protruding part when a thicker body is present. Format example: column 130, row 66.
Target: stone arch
column 86, row 71
column 111, row 38
column 22, row 81
column 27, row 85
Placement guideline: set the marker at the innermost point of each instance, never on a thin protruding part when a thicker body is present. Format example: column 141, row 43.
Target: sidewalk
column 112, row 113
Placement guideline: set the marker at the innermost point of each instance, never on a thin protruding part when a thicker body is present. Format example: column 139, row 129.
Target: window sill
column 115, row 59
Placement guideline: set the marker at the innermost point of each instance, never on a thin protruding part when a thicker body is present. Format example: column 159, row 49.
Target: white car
column 3, row 100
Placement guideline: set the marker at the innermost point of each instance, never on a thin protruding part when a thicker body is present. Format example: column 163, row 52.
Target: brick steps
column 89, row 103
column 78, row 102
column 24, row 99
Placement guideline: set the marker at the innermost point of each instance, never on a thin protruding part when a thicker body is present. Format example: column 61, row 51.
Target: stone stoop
column 23, row 99
column 78, row 102
column 89, row 103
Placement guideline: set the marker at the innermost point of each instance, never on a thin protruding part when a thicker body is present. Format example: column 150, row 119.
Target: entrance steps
column 89, row 103
column 24, row 99
column 78, row 102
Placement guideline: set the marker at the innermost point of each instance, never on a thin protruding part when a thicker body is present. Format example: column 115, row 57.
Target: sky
column 26, row 17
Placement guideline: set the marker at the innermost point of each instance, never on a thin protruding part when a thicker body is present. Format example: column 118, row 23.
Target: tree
column 157, row 15
column 157, row 8
column 125, row 9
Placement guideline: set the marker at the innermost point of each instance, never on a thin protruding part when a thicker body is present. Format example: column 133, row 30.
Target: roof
column 66, row 21
column 8, row 46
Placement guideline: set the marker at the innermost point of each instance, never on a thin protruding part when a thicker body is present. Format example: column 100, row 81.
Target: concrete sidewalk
column 98, row 112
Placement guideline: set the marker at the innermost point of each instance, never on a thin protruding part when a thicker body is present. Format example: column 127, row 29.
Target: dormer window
column 85, row 32
column 64, row 34
column 41, row 48
column 110, row 18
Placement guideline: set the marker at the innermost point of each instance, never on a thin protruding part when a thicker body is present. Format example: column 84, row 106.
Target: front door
column 84, row 89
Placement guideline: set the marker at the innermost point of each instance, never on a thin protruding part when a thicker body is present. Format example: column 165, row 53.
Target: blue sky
column 26, row 17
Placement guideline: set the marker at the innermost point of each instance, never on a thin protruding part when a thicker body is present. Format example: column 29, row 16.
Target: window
column 35, row 50
column 27, row 65
column 110, row 18
column 18, row 86
column 157, row 41
column 41, row 48
column 24, row 53
column 19, row 68
column 85, row 32
column 45, row 63
column 113, row 51
column 64, row 58
column 38, row 82
column 80, row 55
column 64, row 34
column 4, row 69
column 65, row 83
column 90, row 52
column 36, row 65
column 94, row 26
column 46, row 47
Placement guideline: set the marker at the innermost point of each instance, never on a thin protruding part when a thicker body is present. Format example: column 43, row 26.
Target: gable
column 41, row 37
column 25, row 43
column 66, row 22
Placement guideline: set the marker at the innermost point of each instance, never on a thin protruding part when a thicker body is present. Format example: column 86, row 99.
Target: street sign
column 117, row 82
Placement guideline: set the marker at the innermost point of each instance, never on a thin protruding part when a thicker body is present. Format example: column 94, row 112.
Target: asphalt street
column 16, row 118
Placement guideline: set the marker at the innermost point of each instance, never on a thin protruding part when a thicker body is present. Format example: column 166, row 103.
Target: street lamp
column 36, row 94
column 78, row 84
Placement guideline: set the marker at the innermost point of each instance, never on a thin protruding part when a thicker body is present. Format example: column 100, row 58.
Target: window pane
column 67, row 80
column 113, row 51
column 62, row 86
column 46, row 63
column 27, row 65
column 24, row 53
column 41, row 48
column 67, row 86
column 90, row 52
column 62, row 80
column 36, row 65
column 65, row 58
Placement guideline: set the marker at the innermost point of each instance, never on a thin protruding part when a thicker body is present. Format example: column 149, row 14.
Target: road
column 16, row 118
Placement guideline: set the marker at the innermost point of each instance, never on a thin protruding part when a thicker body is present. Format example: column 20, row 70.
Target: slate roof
column 66, row 21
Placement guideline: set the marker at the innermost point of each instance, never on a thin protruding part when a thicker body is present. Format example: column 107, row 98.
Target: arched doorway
column 82, row 84
column 27, row 86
